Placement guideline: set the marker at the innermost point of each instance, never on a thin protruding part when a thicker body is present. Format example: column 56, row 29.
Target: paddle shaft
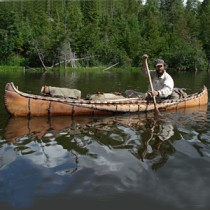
column 151, row 86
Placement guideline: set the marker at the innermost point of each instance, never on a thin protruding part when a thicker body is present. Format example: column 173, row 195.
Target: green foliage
column 191, row 57
column 102, row 33
column 204, row 18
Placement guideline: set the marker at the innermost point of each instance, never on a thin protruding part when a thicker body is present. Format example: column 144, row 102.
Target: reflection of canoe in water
column 23, row 104
column 38, row 127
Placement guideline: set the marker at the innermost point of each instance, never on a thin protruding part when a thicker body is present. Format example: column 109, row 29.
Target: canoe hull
column 22, row 104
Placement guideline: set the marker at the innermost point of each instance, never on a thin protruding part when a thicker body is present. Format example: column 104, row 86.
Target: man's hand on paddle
column 145, row 56
column 154, row 93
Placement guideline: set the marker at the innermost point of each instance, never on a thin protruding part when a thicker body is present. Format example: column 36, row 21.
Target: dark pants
column 134, row 94
column 143, row 96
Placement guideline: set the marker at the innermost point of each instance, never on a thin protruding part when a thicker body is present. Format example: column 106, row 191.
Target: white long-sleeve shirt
column 164, row 84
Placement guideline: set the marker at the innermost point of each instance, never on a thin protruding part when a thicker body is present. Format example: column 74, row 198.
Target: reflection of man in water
column 155, row 142
column 166, row 130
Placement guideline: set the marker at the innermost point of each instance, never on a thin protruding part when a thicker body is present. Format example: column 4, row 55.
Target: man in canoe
column 162, row 82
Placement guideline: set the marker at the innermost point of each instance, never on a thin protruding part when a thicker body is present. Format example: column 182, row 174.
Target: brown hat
column 159, row 62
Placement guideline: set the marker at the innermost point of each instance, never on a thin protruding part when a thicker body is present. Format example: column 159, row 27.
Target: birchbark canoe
column 23, row 104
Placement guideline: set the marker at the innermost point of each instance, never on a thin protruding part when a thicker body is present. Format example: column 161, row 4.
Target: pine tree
column 152, row 29
column 191, row 15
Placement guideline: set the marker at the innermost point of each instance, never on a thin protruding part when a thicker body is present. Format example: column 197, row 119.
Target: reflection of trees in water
column 138, row 134
column 148, row 138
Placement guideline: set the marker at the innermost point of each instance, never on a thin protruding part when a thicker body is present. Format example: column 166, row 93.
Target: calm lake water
column 121, row 162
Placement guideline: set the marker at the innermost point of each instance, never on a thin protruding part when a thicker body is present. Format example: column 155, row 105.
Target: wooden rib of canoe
column 23, row 104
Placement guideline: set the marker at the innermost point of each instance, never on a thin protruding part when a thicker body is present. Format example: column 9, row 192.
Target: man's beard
column 160, row 73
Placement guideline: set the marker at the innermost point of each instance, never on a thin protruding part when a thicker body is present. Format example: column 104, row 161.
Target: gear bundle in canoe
column 23, row 104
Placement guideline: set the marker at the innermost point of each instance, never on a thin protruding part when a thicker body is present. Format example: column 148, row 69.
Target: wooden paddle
column 151, row 86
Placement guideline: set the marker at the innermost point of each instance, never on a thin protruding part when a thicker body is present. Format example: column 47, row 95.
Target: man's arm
column 144, row 72
column 168, row 88
column 165, row 92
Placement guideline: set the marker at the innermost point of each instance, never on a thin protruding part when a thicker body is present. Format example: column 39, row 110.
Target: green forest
column 70, row 33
